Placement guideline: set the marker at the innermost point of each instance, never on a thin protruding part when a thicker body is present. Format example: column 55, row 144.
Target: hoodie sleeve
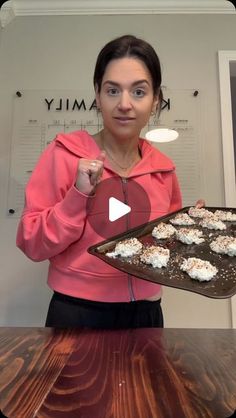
column 55, row 211
column 176, row 197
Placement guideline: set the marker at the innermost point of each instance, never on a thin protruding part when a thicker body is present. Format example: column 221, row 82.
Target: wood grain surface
column 30, row 361
column 142, row 373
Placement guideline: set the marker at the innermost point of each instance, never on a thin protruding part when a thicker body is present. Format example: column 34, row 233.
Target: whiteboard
column 39, row 115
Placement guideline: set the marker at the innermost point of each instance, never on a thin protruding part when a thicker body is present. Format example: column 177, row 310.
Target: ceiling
column 13, row 8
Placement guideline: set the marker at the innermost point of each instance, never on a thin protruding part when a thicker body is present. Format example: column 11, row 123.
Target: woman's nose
column 125, row 101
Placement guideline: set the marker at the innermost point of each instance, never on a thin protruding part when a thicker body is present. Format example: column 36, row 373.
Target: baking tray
column 223, row 285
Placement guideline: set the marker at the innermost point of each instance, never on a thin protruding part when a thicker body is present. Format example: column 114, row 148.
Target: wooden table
column 142, row 373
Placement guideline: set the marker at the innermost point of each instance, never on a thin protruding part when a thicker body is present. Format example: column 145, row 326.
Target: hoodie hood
column 82, row 144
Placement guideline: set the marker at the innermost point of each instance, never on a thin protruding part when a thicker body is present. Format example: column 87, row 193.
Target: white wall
column 233, row 99
column 59, row 53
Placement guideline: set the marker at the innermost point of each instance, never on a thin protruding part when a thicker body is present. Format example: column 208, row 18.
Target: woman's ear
column 155, row 104
column 97, row 97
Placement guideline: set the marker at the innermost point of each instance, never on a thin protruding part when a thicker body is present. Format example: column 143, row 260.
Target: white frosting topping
column 198, row 212
column 163, row 231
column 224, row 245
column 225, row 215
column 126, row 248
column 189, row 236
column 198, row 269
column 212, row 222
column 156, row 256
column 182, row 219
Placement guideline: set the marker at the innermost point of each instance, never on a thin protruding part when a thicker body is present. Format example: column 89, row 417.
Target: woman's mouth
column 124, row 119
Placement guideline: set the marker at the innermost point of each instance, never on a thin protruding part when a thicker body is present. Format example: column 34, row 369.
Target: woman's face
column 126, row 98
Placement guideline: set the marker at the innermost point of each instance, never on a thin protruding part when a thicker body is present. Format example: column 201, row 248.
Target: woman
column 57, row 224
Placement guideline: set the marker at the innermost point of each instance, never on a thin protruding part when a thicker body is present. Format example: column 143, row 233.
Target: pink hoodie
column 54, row 224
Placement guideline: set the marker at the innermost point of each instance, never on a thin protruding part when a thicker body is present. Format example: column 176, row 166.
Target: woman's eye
column 112, row 91
column 139, row 93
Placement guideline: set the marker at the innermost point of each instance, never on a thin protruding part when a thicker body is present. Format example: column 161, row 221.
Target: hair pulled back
column 129, row 46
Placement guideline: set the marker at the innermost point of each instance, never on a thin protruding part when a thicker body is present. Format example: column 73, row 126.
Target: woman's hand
column 89, row 174
column 200, row 204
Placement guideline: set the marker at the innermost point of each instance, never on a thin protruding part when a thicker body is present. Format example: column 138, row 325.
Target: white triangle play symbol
column 117, row 209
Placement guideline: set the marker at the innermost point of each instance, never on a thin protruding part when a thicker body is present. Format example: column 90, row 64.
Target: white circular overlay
column 161, row 135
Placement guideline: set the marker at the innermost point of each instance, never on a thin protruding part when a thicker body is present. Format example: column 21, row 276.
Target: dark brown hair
column 129, row 46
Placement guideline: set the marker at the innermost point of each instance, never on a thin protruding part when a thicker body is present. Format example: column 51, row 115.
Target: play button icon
column 116, row 206
column 117, row 209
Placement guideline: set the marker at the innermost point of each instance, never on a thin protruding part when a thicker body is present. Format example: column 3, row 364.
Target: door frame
column 225, row 57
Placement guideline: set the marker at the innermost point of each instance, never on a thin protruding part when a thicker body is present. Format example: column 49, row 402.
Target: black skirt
column 67, row 311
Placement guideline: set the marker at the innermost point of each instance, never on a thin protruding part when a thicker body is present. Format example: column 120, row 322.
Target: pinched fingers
column 89, row 173
column 96, row 169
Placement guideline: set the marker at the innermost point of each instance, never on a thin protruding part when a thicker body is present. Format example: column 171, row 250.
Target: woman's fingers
column 100, row 159
column 101, row 156
column 90, row 173
column 200, row 204
column 97, row 168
